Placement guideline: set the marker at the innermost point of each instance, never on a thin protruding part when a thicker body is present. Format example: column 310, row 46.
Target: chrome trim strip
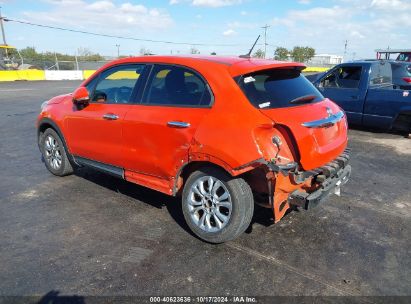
column 325, row 122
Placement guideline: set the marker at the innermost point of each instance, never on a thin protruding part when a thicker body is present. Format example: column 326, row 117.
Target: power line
column 117, row 37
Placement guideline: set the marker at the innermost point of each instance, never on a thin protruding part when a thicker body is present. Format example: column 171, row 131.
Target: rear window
column 278, row 88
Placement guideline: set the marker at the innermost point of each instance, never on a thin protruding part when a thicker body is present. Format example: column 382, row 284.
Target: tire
column 54, row 153
column 219, row 214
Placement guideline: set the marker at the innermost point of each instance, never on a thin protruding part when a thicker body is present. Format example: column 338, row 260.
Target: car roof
column 235, row 65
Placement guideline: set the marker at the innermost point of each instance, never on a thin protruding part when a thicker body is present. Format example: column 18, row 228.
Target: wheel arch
column 46, row 123
column 402, row 121
column 246, row 171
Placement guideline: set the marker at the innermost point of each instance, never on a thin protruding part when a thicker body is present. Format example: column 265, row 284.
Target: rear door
column 158, row 132
column 95, row 131
column 344, row 86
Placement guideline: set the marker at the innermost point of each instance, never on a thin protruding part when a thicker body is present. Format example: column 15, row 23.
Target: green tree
column 302, row 54
column 281, row 53
column 259, row 54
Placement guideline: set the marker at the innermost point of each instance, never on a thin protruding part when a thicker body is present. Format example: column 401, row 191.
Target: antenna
column 251, row 50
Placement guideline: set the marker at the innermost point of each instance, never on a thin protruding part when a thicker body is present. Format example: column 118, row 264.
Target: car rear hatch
column 288, row 98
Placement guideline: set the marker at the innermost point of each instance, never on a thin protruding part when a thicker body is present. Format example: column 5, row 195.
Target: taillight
column 407, row 79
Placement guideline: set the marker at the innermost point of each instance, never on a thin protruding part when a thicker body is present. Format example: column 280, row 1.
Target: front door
column 95, row 131
column 342, row 85
column 158, row 132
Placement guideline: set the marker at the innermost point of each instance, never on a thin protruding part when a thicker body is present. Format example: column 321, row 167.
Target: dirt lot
column 91, row 234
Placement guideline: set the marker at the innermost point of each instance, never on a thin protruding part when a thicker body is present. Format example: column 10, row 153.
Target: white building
column 325, row 59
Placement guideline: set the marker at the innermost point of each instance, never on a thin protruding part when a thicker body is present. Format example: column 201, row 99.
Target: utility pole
column 2, row 28
column 118, row 50
column 265, row 38
column 345, row 49
column 57, row 62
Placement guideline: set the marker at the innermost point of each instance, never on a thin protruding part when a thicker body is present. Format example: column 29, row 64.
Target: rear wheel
column 54, row 154
column 217, row 207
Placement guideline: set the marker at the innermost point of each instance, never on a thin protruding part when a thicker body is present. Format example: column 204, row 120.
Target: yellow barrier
column 88, row 73
column 22, row 75
column 40, row 75
column 315, row 69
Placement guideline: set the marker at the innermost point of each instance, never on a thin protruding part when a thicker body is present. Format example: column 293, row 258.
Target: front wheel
column 217, row 207
column 54, row 154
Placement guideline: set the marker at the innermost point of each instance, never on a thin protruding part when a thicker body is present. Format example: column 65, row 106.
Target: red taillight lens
column 407, row 79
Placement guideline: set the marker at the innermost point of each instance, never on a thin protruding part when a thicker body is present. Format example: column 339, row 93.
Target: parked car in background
column 401, row 54
column 365, row 90
column 221, row 132
column 406, row 56
column 401, row 74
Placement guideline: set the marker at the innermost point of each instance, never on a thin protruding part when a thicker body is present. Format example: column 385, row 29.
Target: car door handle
column 110, row 116
column 178, row 124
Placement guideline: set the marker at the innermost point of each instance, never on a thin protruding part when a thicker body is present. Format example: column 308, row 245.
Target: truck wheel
column 217, row 207
column 55, row 156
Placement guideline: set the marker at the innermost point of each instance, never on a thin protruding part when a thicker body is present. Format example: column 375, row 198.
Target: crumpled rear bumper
column 330, row 179
column 307, row 189
column 329, row 186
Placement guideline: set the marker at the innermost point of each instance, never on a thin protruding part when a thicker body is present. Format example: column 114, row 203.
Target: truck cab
column 365, row 90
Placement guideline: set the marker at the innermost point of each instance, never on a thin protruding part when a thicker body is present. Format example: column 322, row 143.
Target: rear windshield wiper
column 304, row 99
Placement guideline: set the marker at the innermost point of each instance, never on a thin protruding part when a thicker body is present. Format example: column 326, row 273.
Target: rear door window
column 278, row 88
column 381, row 73
column 177, row 86
column 346, row 77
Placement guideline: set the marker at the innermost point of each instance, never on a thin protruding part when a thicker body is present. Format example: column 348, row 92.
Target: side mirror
column 81, row 96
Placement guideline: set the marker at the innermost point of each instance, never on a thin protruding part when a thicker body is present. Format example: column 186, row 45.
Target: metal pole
column 345, row 49
column 57, row 62
column 265, row 39
column 118, row 50
column 2, row 29
column 75, row 56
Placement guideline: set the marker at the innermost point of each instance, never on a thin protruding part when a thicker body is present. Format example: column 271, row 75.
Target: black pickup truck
column 365, row 91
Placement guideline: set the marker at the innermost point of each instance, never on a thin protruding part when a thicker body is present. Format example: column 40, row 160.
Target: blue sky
column 225, row 26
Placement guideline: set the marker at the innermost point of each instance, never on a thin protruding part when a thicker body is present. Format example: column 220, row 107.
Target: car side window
column 116, row 85
column 347, row 77
column 177, row 86
column 381, row 73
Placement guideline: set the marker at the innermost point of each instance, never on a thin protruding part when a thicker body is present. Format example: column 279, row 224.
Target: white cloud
column 305, row 2
column 102, row 16
column 229, row 32
column 391, row 4
column 207, row 3
column 215, row 3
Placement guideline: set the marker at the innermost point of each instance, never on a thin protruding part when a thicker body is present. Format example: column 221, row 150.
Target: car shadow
column 379, row 131
column 53, row 297
column 138, row 193
column 262, row 216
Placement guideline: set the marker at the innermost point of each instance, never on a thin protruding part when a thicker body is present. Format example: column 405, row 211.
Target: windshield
column 278, row 88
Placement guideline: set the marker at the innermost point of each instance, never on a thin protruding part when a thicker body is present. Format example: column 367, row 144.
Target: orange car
column 222, row 132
